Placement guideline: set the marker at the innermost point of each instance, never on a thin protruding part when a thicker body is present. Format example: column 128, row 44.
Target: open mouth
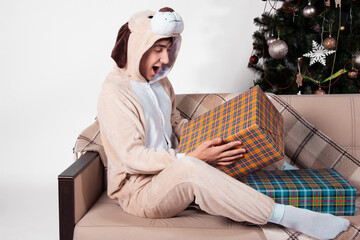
column 156, row 69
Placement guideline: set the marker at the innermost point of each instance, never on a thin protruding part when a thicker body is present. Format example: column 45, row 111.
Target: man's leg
column 189, row 179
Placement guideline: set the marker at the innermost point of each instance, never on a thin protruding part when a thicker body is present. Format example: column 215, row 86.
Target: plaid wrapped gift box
column 251, row 118
column 322, row 190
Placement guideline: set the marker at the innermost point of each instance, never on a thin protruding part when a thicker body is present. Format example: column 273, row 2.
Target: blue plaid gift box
column 322, row 190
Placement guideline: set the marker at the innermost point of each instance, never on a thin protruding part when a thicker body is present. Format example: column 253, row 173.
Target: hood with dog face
column 139, row 34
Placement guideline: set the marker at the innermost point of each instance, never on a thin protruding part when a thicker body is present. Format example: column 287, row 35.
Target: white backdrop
column 54, row 56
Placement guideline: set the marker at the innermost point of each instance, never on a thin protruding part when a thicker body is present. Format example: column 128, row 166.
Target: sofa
column 321, row 131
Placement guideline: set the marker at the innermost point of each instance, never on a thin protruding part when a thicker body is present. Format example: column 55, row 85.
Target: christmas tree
column 307, row 46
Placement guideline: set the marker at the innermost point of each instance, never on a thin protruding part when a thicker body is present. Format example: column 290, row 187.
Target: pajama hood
column 139, row 34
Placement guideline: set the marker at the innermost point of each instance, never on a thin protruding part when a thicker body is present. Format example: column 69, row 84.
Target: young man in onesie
column 140, row 128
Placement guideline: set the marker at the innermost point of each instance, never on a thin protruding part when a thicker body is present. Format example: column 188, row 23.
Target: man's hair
column 170, row 39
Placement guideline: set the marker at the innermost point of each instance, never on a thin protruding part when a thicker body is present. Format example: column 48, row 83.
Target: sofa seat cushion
column 106, row 219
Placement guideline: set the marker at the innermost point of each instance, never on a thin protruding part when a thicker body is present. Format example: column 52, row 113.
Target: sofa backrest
column 336, row 115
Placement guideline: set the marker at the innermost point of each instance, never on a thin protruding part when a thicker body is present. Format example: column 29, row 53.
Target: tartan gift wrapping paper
column 251, row 118
column 322, row 190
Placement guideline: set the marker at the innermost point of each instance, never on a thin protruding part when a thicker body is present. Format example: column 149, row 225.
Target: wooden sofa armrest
column 79, row 186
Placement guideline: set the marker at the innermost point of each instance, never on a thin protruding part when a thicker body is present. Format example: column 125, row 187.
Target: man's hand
column 213, row 153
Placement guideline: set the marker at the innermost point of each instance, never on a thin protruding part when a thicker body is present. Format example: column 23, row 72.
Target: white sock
column 314, row 224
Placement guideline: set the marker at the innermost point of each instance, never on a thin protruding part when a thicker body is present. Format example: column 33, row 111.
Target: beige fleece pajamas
column 188, row 179
column 145, row 177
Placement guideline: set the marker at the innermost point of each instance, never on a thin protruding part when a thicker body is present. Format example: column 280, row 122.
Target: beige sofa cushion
column 106, row 220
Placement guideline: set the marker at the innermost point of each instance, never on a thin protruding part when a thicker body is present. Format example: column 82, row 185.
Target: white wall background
column 54, row 56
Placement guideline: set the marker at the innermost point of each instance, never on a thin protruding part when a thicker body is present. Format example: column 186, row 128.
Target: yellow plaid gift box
column 250, row 118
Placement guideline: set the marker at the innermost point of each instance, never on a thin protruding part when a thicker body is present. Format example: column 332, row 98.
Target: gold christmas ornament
column 320, row 92
column 329, row 43
column 353, row 74
column 342, row 28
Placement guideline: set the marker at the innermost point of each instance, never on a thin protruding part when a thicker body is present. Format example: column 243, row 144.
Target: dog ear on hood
column 119, row 52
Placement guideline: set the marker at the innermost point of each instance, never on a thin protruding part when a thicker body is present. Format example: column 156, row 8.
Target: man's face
column 154, row 58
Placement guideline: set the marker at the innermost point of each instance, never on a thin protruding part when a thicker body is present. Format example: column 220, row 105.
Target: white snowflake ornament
column 318, row 54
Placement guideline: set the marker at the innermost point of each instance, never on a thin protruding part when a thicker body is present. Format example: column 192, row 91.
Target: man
column 140, row 128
